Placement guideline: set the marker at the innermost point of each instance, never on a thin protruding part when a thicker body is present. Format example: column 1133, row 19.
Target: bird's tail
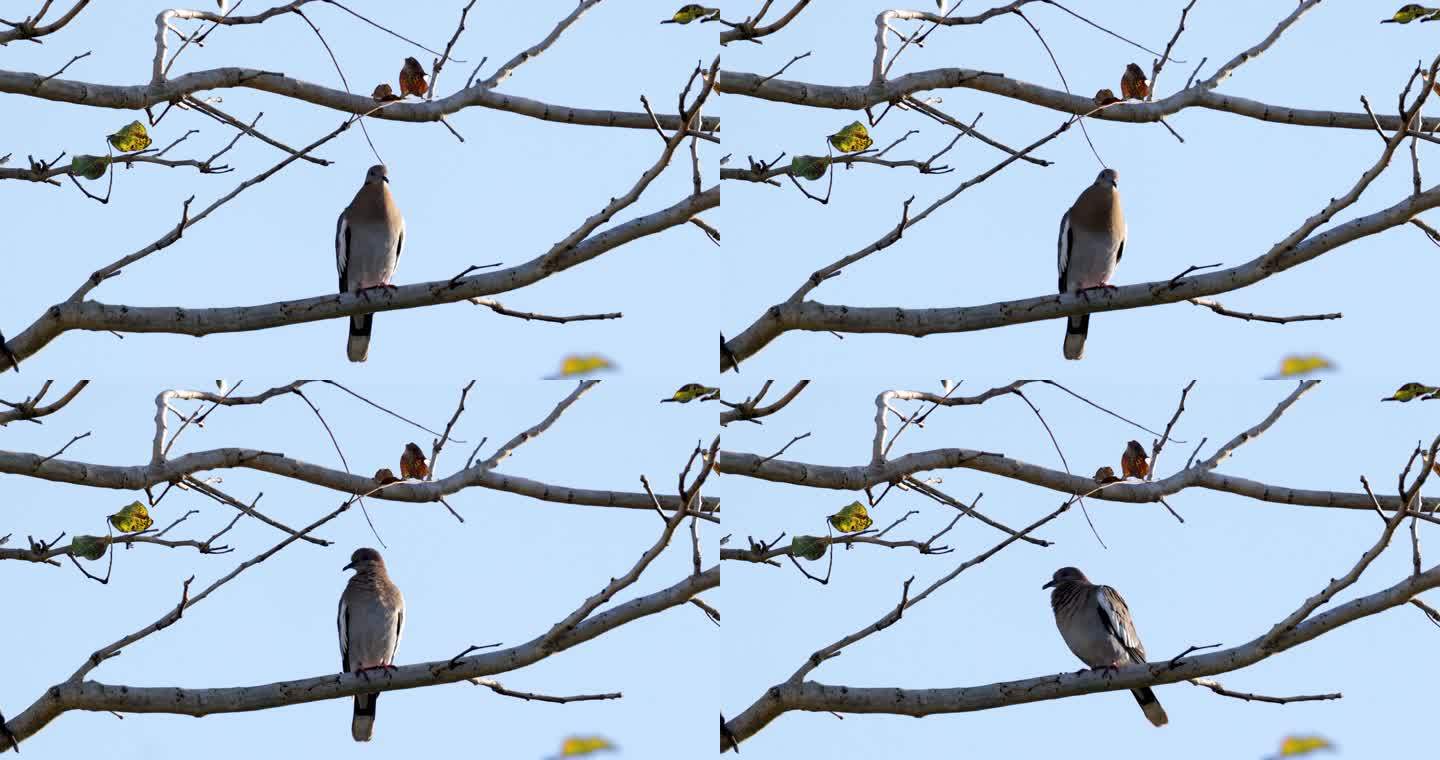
column 1145, row 697
column 362, row 725
column 358, row 346
column 1075, row 330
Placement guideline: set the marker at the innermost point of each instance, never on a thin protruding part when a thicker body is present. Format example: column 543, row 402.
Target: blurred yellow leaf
column 88, row 547
column 1293, row 746
column 132, row 519
column 807, row 547
column 809, row 167
column 1292, row 366
column 692, row 391
column 582, row 364
column 130, row 138
column 852, row 519
column 576, row 746
column 89, row 167
column 692, row 12
column 1410, row 392
column 852, row 139
column 1410, row 12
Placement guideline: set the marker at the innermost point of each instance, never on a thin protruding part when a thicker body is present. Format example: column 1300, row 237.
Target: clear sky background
column 1229, row 192
column 1232, row 570
column 511, row 570
column 516, row 566
column 515, row 187
column 1235, row 567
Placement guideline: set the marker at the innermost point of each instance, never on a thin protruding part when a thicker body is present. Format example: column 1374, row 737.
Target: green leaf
column 807, row 547
column 692, row 391
column 852, row 139
column 132, row 519
column 1411, row 12
column 130, row 138
column 1410, row 392
column 809, row 167
column 852, row 519
column 692, row 12
column 89, row 167
column 88, row 547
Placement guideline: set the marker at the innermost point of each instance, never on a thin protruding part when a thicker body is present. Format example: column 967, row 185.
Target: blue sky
column 507, row 194
column 517, row 185
column 1233, row 569
column 514, row 568
column 1230, row 191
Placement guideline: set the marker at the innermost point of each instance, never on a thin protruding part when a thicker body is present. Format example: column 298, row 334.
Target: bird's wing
column 342, row 248
column 1115, row 617
column 342, row 624
column 1067, row 239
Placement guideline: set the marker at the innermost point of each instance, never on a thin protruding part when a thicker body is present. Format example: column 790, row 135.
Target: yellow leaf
column 89, row 167
column 1411, row 12
column 132, row 519
column 852, row 519
column 88, row 547
column 1293, row 746
column 1410, row 392
column 807, row 547
column 692, row 12
column 575, row 746
column 1292, row 366
column 691, row 391
column 583, row 364
column 130, row 138
column 809, row 167
column 852, row 139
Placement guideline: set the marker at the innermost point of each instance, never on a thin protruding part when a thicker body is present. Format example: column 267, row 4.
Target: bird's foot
column 1106, row 286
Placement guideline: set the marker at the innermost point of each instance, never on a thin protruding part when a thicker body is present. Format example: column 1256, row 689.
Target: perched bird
column 1096, row 625
column 1133, row 83
column 1092, row 239
column 413, row 464
column 371, row 619
column 412, row 79
column 1102, row 476
column 368, row 238
column 1134, row 463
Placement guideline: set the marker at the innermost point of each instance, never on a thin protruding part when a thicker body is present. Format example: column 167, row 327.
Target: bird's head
column 413, row 449
column 1108, row 177
column 376, row 175
column 365, row 559
column 1066, row 575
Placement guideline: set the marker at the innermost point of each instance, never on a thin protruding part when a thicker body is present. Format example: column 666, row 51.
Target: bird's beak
column 386, row 180
column 350, row 566
column 1051, row 584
